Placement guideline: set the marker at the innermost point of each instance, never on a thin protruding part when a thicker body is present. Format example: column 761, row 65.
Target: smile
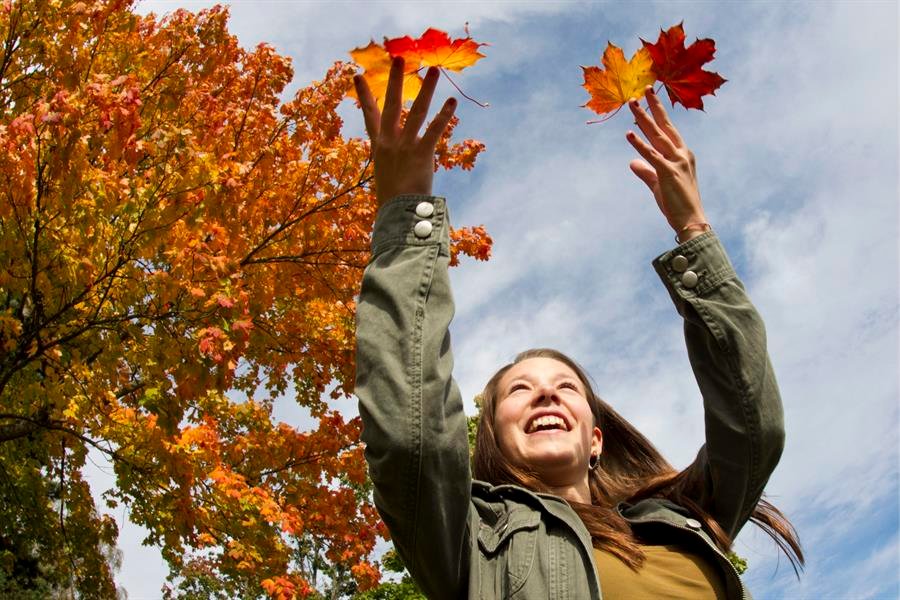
column 547, row 423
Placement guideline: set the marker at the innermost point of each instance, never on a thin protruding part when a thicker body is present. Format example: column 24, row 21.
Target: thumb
column 644, row 171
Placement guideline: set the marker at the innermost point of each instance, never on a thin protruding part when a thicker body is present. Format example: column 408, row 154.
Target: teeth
column 545, row 422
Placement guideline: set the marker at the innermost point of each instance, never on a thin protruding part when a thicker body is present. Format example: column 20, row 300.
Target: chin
column 552, row 462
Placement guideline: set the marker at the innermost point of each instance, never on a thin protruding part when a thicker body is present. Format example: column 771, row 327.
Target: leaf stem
column 607, row 117
column 464, row 95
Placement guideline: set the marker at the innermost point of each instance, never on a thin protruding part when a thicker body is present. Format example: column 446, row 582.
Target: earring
column 595, row 460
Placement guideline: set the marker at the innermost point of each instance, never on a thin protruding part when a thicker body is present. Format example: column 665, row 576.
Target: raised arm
column 724, row 333
column 413, row 422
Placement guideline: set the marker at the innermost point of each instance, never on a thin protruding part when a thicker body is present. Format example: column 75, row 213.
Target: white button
column 680, row 263
column 424, row 209
column 423, row 229
column 689, row 279
column 692, row 523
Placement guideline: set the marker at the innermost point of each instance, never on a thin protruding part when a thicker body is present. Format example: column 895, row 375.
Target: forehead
column 538, row 367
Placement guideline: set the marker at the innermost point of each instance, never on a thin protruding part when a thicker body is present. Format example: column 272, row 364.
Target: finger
column 419, row 109
column 648, row 152
column 662, row 117
column 439, row 124
column 645, row 172
column 657, row 138
column 393, row 98
column 369, row 107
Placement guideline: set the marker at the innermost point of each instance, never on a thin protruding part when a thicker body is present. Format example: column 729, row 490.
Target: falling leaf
column 680, row 68
column 620, row 81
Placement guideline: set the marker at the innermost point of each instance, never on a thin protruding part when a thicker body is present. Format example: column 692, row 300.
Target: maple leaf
column 612, row 87
column 680, row 69
column 435, row 49
column 376, row 62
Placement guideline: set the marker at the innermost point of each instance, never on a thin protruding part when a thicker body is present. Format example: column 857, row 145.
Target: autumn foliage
column 678, row 68
column 180, row 249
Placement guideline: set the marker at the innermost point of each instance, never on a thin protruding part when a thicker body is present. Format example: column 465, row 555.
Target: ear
column 597, row 442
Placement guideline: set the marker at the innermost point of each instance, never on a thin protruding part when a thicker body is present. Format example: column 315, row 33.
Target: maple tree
column 679, row 69
column 178, row 249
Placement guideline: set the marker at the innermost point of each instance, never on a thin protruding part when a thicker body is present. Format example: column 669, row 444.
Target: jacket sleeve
column 726, row 343
column 414, row 427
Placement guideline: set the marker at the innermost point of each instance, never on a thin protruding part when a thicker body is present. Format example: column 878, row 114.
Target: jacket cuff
column 695, row 268
column 412, row 220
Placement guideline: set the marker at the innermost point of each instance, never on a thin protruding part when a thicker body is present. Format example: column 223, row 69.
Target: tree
column 179, row 247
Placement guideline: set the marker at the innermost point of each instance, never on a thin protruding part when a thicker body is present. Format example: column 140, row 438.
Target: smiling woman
column 544, row 429
column 567, row 497
column 541, row 420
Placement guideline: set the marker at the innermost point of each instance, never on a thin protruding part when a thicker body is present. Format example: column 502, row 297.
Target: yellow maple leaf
column 620, row 81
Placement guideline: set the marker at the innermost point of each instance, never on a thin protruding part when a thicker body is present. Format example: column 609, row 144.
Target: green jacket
column 467, row 539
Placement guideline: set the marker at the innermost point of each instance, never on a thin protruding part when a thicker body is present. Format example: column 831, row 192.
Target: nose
column 545, row 392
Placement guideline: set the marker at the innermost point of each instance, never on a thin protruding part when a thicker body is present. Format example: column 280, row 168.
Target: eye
column 570, row 385
column 518, row 386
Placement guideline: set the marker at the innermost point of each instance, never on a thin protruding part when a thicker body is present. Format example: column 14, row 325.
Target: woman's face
column 544, row 422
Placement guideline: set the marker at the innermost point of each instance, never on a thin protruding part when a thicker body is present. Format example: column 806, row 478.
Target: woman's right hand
column 404, row 162
column 669, row 168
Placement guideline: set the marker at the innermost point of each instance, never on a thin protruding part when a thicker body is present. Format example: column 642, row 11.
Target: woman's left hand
column 670, row 168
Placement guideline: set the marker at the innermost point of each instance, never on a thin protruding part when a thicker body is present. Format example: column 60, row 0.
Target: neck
column 579, row 492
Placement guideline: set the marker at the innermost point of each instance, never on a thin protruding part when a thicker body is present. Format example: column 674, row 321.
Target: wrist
column 691, row 230
column 391, row 193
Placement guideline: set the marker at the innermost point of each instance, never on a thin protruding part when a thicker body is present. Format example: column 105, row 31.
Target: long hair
column 630, row 468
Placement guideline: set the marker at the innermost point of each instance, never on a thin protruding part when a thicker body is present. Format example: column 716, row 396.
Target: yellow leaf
column 620, row 81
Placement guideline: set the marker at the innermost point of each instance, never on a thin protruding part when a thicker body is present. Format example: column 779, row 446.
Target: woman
column 568, row 499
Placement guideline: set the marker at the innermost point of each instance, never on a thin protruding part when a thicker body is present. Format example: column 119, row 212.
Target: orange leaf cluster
column 181, row 255
column 473, row 241
column 433, row 49
column 678, row 68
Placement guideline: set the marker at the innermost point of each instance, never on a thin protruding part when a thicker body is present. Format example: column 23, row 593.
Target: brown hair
column 629, row 469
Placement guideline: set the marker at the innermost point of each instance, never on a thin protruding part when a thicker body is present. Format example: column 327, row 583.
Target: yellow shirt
column 669, row 572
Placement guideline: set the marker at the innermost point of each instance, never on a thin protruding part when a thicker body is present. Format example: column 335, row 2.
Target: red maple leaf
column 680, row 69
column 435, row 48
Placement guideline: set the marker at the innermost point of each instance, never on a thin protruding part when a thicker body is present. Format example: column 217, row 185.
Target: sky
column 797, row 161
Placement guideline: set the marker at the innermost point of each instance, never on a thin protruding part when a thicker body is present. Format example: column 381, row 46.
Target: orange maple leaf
column 376, row 62
column 680, row 69
column 435, row 49
column 620, row 81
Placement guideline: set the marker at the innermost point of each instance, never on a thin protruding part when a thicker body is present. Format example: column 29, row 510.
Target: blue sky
column 797, row 160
